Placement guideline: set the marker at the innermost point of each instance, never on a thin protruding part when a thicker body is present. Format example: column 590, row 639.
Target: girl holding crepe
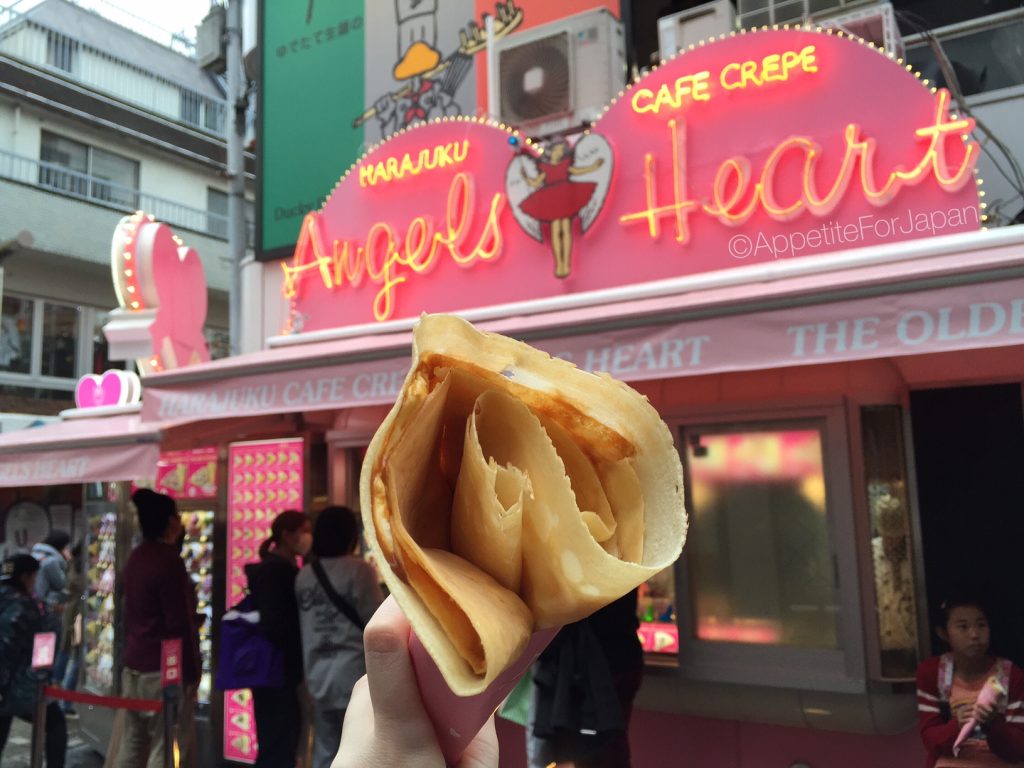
column 970, row 704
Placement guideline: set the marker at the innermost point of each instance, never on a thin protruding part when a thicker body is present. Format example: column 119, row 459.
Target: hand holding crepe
column 991, row 694
column 509, row 492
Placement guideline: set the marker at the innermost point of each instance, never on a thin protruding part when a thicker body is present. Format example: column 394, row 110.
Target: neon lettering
column 428, row 158
column 384, row 255
column 735, row 196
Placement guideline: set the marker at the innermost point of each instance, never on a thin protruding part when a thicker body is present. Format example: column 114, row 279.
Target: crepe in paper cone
column 509, row 492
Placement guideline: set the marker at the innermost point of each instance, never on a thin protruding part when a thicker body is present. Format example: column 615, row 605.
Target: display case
column 197, row 552
column 100, row 598
column 190, row 477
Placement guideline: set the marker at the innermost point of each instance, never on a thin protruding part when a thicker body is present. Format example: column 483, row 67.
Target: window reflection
column 60, row 340
column 16, row 335
column 759, row 553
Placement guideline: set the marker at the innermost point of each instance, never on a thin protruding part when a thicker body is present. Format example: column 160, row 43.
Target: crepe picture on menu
column 509, row 492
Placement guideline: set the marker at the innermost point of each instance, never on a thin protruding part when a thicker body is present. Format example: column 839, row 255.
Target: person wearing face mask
column 158, row 606
column 278, row 710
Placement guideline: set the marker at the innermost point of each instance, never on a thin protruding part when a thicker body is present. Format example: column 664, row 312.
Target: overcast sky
column 151, row 16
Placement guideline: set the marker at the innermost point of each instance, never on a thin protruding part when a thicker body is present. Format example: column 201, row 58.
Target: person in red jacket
column 947, row 695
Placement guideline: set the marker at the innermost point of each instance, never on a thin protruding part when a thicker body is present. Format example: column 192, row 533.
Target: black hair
column 336, row 532
column 155, row 512
column 58, row 539
column 958, row 599
column 286, row 522
column 17, row 566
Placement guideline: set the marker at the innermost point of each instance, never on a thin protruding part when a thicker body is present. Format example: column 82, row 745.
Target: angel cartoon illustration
column 562, row 184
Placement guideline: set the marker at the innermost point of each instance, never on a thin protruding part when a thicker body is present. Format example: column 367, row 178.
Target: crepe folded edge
column 609, row 420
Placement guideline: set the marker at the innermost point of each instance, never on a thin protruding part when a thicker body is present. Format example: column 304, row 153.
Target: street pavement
column 16, row 754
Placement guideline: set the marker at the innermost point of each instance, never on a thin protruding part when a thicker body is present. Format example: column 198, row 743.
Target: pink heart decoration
column 180, row 282
column 113, row 388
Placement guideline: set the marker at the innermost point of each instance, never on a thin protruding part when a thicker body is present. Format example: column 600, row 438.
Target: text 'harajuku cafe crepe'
column 509, row 492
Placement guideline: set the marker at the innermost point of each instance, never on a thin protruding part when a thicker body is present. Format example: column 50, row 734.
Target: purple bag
column 247, row 658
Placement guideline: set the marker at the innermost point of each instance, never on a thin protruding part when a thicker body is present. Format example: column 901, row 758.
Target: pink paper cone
column 458, row 719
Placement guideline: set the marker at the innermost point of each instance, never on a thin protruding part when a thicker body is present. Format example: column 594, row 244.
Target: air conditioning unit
column 875, row 23
column 559, row 76
column 681, row 30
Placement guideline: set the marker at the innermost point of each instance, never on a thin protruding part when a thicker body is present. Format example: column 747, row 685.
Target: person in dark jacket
column 584, row 685
column 158, row 606
column 20, row 619
column 278, row 711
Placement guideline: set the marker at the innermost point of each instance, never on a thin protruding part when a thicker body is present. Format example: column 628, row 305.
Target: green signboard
column 312, row 61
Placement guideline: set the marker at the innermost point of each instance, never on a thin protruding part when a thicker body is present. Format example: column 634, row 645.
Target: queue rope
column 110, row 702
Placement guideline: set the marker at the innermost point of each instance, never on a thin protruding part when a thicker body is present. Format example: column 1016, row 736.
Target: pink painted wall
column 660, row 740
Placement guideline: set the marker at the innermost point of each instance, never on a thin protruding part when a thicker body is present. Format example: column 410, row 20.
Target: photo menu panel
column 265, row 478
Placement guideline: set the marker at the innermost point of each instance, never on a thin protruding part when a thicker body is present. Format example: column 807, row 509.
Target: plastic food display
column 197, row 552
column 98, row 619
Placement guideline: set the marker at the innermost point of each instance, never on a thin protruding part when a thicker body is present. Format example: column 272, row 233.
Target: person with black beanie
column 20, row 619
column 158, row 606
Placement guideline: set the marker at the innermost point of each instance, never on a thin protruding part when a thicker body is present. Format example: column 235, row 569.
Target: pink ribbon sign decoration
column 156, row 273
column 113, row 389
column 767, row 145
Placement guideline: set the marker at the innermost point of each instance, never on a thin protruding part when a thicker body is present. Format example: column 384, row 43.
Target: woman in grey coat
column 332, row 624
column 51, row 585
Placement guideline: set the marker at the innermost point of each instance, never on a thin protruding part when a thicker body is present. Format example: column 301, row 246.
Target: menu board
column 188, row 474
column 197, row 552
column 265, row 478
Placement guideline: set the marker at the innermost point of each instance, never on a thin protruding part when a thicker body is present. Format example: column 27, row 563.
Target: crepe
column 508, row 492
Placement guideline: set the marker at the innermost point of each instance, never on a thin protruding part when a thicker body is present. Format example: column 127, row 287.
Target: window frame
column 839, row 670
column 83, row 353
column 92, row 181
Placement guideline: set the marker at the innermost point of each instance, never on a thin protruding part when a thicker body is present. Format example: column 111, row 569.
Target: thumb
column 389, row 671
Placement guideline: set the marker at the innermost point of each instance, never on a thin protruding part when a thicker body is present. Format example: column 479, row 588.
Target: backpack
column 247, row 658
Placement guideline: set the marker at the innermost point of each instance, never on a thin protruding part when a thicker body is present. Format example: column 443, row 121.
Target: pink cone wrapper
column 458, row 719
column 990, row 694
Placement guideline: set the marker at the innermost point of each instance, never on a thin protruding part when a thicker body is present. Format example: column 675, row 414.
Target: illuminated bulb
column 127, row 257
column 899, row 60
column 131, row 289
column 926, row 81
column 978, row 182
column 128, row 272
column 984, row 217
column 981, row 193
column 983, row 205
column 135, row 305
column 936, row 90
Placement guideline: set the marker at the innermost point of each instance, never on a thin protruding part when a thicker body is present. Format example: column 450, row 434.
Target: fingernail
column 381, row 642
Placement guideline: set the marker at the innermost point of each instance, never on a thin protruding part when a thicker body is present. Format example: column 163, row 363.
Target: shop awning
column 110, row 448
column 965, row 293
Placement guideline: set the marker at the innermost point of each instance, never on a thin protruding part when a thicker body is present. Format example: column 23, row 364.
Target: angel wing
column 593, row 151
column 517, row 188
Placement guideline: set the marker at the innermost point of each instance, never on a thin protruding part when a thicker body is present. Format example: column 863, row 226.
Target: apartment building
column 96, row 121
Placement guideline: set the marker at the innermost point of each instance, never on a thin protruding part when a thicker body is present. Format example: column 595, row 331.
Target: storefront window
column 759, row 552
column 60, row 340
column 656, row 606
column 895, row 599
column 16, row 335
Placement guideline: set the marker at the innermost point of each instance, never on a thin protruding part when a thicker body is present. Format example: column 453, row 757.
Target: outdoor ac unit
column 560, row 76
column 680, row 30
column 875, row 23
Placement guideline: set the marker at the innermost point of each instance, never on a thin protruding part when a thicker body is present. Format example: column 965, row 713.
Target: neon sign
column 732, row 201
column 775, row 67
column 714, row 159
column 427, row 159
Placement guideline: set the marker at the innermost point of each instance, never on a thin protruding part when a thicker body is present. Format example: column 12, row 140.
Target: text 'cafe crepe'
column 508, row 491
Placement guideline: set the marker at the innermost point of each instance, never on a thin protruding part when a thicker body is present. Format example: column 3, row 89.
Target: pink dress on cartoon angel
column 565, row 183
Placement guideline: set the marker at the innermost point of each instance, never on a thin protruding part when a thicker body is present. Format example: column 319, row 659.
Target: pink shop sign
column 964, row 317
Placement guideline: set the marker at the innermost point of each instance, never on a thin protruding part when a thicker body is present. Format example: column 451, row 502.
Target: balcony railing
column 36, row 44
column 58, row 179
